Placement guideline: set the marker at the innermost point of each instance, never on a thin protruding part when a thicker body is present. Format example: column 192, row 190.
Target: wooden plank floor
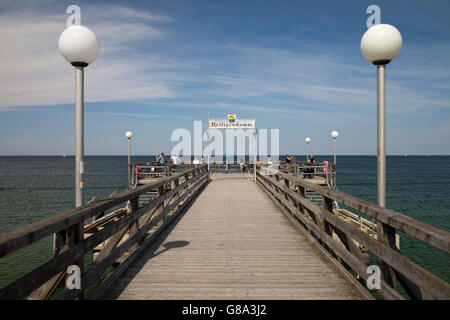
column 233, row 243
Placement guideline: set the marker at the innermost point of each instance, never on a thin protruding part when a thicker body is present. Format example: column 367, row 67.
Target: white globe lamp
column 128, row 135
column 307, row 140
column 80, row 47
column 334, row 135
column 380, row 44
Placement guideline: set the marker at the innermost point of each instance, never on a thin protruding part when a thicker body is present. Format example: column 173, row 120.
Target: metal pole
column 381, row 135
column 385, row 233
column 129, row 162
column 209, row 147
column 307, row 151
column 79, row 135
column 256, row 139
column 334, row 150
column 254, row 115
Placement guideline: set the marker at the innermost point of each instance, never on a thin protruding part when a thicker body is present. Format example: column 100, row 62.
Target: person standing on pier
column 161, row 159
column 325, row 168
column 175, row 160
column 293, row 162
column 288, row 162
column 196, row 162
column 313, row 164
column 288, row 159
column 308, row 170
column 242, row 165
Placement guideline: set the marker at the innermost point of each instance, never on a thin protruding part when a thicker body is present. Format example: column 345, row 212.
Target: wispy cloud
column 104, row 12
column 143, row 115
column 34, row 73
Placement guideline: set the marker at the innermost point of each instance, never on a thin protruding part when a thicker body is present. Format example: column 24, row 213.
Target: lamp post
column 209, row 148
column 128, row 135
column 255, row 134
column 308, row 140
column 380, row 45
column 80, row 47
column 334, row 135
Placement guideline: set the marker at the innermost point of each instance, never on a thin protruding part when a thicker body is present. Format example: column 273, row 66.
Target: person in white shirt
column 175, row 159
column 196, row 161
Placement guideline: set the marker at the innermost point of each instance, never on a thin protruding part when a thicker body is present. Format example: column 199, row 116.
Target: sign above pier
column 232, row 123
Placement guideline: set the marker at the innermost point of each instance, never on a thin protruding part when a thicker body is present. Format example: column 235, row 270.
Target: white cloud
column 34, row 73
column 109, row 12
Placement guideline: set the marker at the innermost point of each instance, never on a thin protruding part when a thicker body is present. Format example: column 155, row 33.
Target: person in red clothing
column 139, row 173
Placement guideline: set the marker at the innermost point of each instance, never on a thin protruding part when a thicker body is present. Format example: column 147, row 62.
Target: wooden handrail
column 323, row 223
column 138, row 221
column 21, row 237
column 436, row 237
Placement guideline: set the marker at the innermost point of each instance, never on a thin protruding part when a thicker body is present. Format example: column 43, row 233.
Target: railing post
column 348, row 242
column 134, row 205
column 301, row 192
column 161, row 207
column 74, row 235
column 328, row 206
column 287, row 185
column 62, row 241
column 176, row 183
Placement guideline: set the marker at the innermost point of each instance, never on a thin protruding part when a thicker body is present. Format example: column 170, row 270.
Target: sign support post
column 256, row 143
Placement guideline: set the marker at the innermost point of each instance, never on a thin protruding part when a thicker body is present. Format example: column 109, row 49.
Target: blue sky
column 164, row 64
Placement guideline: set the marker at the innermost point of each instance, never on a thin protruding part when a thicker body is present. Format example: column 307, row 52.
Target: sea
column 35, row 187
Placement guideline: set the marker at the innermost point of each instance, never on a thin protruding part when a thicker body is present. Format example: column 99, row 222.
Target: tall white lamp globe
column 79, row 45
column 128, row 134
column 381, row 43
column 335, row 134
column 308, row 140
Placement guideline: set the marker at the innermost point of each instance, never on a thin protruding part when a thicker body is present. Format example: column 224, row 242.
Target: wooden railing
column 123, row 235
column 229, row 167
column 340, row 241
column 153, row 170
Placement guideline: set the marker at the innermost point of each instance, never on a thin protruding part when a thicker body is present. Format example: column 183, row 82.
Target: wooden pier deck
column 232, row 243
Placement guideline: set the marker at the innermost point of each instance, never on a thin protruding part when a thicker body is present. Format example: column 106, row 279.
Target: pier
column 186, row 232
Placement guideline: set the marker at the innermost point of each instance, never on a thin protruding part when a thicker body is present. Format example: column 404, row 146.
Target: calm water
column 32, row 188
